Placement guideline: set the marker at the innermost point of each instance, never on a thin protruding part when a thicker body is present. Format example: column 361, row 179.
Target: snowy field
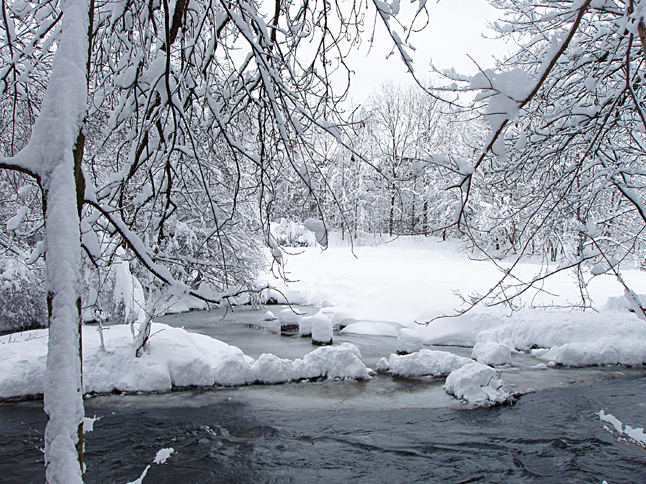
column 410, row 281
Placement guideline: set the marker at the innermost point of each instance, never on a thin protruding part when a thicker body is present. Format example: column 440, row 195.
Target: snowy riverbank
column 386, row 289
column 177, row 358
column 410, row 281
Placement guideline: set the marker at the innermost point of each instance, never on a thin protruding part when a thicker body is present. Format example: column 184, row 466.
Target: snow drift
column 177, row 358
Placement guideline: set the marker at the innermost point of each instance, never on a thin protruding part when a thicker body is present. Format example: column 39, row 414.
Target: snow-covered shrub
column 289, row 233
column 23, row 298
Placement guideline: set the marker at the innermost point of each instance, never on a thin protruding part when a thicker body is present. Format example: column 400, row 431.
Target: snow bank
column 423, row 363
column 177, row 358
column 574, row 338
column 478, row 385
column 408, row 341
column 602, row 352
column 491, row 353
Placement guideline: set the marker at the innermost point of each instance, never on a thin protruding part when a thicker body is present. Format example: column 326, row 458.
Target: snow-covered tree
column 162, row 126
column 566, row 135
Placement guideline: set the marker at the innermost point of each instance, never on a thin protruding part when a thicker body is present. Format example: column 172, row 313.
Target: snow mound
column 332, row 362
column 177, row 358
column 622, row 304
column 305, row 326
column 321, row 328
column 478, row 385
column 269, row 316
column 288, row 317
column 462, row 331
column 491, row 353
column 423, row 363
column 408, row 341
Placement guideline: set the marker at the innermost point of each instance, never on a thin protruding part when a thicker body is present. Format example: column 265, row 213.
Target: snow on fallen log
column 478, row 385
column 177, row 358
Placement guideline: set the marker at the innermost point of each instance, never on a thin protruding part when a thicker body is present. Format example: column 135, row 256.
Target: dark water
column 549, row 436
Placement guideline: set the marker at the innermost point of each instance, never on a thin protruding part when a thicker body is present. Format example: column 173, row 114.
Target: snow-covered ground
column 410, row 281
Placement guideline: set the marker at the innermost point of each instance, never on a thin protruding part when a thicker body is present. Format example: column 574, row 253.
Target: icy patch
column 162, row 455
column 423, row 363
column 491, row 353
column 478, row 385
column 160, row 458
column 624, row 432
column 408, row 341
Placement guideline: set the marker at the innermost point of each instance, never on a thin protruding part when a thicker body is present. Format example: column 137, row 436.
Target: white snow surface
column 269, row 316
column 478, row 385
column 491, row 353
column 412, row 280
column 177, row 358
column 408, row 341
column 305, row 326
column 423, row 363
column 321, row 327
column 372, row 328
column 288, row 317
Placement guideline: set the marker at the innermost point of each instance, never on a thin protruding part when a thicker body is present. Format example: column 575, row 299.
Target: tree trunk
column 59, row 142
column 63, row 381
column 392, row 212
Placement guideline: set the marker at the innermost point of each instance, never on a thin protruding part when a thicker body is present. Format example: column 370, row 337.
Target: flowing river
column 383, row 430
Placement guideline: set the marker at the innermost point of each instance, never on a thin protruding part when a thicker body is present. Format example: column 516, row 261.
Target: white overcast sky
column 455, row 31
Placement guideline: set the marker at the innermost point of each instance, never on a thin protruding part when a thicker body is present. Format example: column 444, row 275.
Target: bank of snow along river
column 353, row 410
